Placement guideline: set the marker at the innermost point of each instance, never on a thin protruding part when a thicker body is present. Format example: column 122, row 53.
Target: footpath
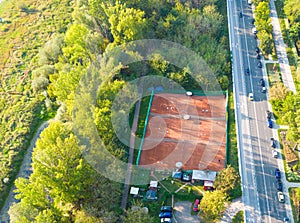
column 280, row 46
column 25, row 171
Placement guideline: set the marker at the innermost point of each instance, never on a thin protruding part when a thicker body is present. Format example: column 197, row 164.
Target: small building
column 134, row 191
column 203, row 175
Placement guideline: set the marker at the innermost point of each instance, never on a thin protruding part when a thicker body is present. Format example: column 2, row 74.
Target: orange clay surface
column 187, row 129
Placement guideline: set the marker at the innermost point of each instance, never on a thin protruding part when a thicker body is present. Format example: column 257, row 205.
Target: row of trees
column 264, row 27
column 63, row 187
column 292, row 11
column 286, row 107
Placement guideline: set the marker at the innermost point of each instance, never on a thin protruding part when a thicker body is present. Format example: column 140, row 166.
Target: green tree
column 227, row 180
column 76, row 44
column 51, row 50
column 212, row 206
column 292, row 10
column 262, row 11
column 266, row 42
column 295, row 32
column 56, row 187
column 278, row 91
column 126, row 24
column 137, row 214
column 58, row 163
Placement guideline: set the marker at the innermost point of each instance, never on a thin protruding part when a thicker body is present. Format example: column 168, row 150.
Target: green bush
column 238, row 218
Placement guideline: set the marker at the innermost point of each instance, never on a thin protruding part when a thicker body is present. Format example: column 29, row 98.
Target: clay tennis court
column 187, row 129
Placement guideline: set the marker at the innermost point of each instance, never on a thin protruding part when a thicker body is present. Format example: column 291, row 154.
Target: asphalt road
column 257, row 165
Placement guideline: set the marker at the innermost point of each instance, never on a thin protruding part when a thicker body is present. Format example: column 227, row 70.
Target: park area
column 186, row 129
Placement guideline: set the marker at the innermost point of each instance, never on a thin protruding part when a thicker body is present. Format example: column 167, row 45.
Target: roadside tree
column 227, row 180
column 212, row 206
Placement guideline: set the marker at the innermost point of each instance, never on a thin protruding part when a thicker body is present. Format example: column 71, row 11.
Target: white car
column 250, row 97
column 280, row 196
column 275, row 153
column 254, row 30
column 166, row 220
column 249, row 2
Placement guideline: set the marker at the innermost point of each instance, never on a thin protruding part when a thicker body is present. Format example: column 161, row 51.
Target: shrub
column 39, row 83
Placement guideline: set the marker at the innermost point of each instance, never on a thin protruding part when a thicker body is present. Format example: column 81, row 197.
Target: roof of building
column 204, row 175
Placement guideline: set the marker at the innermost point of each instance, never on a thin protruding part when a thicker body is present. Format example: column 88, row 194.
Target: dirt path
column 24, row 172
column 131, row 150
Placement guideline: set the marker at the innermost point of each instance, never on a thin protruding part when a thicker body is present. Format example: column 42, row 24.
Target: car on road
column 286, row 219
column 280, row 196
column 257, row 50
column 268, row 113
column 273, row 143
column 247, row 71
column 258, row 56
column 262, row 83
column 263, row 89
column 253, row 21
column 196, row 204
column 270, row 124
column 241, row 14
column 249, row 2
column 277, row 173
column 165, row 214
column 166, row 209
column 275, row 153
column 259, row 64
column 279, row 185
column 254, row 30
column 250, row 97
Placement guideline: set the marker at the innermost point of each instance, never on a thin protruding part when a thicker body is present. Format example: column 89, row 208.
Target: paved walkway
column 280, row 46
column 233, row 208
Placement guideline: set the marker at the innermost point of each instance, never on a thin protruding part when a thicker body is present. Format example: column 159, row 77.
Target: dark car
column 247, row 71
column 270, row 124
column 253, row 21
column 258, row 56
column 241, row 14
column 262, row 83
column 279, row 185
column 165, row 215
column 269, row 114
column 286, row 219
column 277, row 173
column 166, row 209
column 273, row 143
column 186, row 177
column 257, row 50
column 259, row 64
